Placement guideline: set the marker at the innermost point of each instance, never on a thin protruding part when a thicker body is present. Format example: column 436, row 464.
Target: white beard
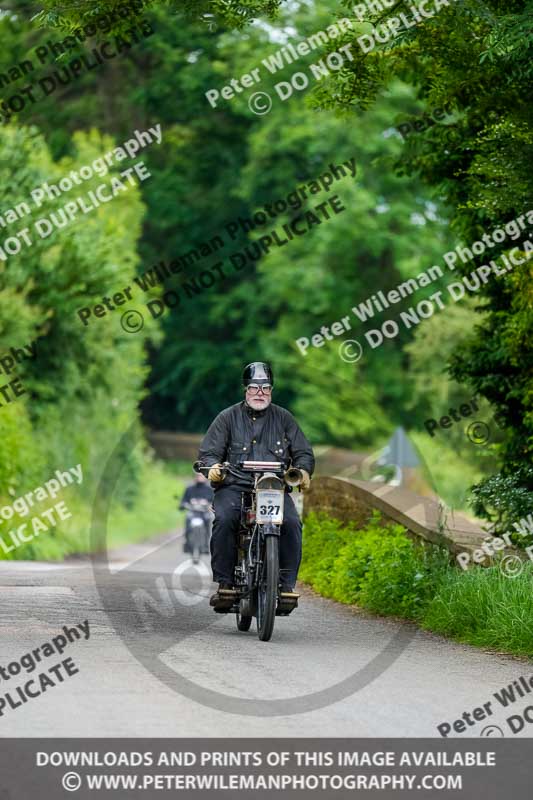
column 259, row 403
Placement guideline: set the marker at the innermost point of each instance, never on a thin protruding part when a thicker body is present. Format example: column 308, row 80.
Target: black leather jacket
column 240, row 433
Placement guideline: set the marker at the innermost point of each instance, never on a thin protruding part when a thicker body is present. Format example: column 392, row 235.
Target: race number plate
column 270, row 506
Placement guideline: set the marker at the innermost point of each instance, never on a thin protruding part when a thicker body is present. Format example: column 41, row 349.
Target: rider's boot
column 224, row 597
column 288, row 600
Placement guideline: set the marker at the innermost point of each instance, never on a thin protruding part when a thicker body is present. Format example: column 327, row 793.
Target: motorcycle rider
column 198, row 490
column 260, row 431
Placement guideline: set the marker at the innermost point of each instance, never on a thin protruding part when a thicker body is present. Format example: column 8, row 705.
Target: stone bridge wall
column 351, row 500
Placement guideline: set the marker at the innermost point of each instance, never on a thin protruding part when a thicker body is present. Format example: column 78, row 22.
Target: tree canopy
column 412, row 199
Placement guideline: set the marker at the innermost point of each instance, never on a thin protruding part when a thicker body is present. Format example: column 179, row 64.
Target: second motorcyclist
column 200, row 489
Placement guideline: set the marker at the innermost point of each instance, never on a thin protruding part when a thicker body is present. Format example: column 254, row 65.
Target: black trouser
column 227, row 505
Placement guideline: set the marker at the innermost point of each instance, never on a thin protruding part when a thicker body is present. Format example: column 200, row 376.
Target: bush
column 323, row 538
column 505, row 500
column 378, row 567
column 351, row 566
column 84, row 386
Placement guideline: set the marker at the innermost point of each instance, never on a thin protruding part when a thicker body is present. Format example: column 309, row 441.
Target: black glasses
column 254, row 388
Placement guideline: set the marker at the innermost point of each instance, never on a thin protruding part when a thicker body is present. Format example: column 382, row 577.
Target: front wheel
column 196, row 551
column 267, row 590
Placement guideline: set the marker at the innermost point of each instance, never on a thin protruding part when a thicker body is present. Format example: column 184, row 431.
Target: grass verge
column 382, row 569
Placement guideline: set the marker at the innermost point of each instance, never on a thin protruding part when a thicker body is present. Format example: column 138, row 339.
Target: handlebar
column 226, row 467
column 292, row 477
column 199, row 505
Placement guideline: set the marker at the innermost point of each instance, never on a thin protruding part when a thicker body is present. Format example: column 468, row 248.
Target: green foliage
column 402, row 576
column 216, row 165
column 377, row 567
column 338, row 406
column 505, row 500
column 84, row 386
column 211, row 13
column 20, row 459
column 434, row 342
column 452, row 466
column 154, row 511
column 323, row 539
column 454, row 460
column 475, row 56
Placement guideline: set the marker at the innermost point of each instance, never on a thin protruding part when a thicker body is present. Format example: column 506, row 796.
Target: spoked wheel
column 267, row 590
column 243, row 623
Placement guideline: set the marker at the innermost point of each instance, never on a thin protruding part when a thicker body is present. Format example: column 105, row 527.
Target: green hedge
column 83, row 388
column 154, row 511
column 379, row 567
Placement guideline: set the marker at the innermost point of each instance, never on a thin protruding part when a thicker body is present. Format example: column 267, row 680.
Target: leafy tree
column 472, row 55
column 475, row 56
column 91, row 376
column 211, row 13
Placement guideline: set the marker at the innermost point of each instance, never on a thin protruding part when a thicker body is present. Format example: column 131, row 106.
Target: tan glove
column 306, row 482
column 215, row 473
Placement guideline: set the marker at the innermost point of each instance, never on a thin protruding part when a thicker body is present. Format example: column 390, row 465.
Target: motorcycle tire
column 196, row 554
column 267, row 590
column 243, row 623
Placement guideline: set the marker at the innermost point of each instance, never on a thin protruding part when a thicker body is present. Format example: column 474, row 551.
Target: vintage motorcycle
column 256, row 582
column 199, row 524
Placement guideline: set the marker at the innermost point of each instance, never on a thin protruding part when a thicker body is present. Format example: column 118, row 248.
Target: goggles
column 255, row 388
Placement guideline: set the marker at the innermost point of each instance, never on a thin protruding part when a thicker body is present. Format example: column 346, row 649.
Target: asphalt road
column 160, row 662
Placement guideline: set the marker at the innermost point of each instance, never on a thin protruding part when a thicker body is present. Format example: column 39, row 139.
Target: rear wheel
column 267, row 590
column 243, row 623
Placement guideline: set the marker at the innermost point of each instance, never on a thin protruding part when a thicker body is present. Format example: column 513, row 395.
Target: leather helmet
column 257, row 372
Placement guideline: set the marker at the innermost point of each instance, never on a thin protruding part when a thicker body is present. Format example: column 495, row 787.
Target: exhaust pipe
column 293, row 476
